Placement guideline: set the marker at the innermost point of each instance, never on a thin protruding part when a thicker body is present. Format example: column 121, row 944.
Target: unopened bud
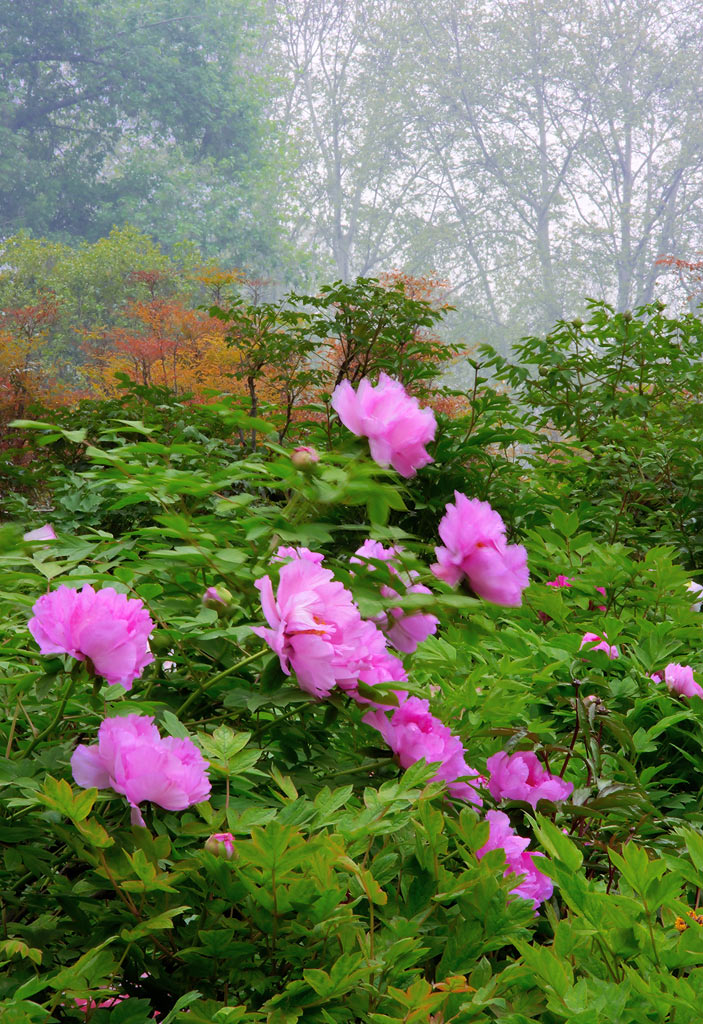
column 217, row 597
column 221, row 844
column 304, row 457
column 627, row 316
column 577, row 322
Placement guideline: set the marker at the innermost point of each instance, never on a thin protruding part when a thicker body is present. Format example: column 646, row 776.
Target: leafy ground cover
column 242, row 783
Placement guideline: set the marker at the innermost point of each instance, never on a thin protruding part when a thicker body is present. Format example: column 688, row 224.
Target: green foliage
column 354, row 891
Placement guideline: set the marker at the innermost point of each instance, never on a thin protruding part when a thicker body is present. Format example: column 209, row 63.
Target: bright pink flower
column 91, row 1004
column 405, row 630
column 109, row 628
column 317, row 631
column 561, row 581
column 599, row 643
column 221, row 844
column 133, row 759
column 520, row 776
column 475, row 546
column 397, row 428
column 285, row 552
column 45, row 532
column 413, row 733
column 679, row 679
column 534, row 886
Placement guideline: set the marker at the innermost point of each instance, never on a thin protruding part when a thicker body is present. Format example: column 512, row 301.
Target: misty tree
column 359, row 185
column 534, row 152
column 127, row 109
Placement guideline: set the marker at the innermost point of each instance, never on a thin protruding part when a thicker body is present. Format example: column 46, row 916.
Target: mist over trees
column 529, row 152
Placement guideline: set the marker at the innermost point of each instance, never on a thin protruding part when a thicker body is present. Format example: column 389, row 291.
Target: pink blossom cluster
column 104, row 626
column 520, row 776
column 535, row 885
column 563, row 582
column 475, row 547
column 679, row 679
column 594, row 642
column 413, row 733
column 405, row 630
column 317, row 631
column 396, row 427
column 132, row 758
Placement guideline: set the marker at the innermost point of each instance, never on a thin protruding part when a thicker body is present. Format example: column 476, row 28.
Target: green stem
column 220, row 675
column 52, row 725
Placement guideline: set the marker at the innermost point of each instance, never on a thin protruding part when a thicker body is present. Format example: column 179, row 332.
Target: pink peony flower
column 599, row 643
column 317, row 631
column 45, row 532
column 520, row 776
column 679, row 679
column 534, row 886
column 413, row 733
column 475, row 546
column 285, row 552
column 561, row 581
column 109, row 628
column 405, row 630
column 221, row 844
column 133, row 759
column 397, row 428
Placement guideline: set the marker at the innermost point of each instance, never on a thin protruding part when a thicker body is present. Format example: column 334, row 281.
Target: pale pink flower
column 691, row 586
column 45, row 532
column 392, row 420
column 317, row 631
column 679, row 679
column 221, row 844
column 475, row 546
column 109, row 628
column 285, row 551
column 412, row 733
column 520, row 776
column 134, row 760
column 534, row 886
column 561, row 581
column 599, row 643
column 405, row 630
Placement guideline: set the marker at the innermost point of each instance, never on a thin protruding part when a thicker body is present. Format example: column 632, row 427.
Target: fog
column 528, row 153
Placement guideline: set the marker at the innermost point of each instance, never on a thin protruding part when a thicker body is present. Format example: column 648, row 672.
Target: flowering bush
column 315, row 793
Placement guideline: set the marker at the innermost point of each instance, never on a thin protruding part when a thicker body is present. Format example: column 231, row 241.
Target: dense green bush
column 354, row 892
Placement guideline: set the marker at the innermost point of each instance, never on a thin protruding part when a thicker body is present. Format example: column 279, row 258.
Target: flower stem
column 52, row 725
column 220, row 675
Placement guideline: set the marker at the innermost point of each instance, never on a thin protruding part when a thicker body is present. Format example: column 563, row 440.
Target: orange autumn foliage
column 23, row 333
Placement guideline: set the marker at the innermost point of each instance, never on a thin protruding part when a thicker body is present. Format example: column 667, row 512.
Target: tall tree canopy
column 108, row 106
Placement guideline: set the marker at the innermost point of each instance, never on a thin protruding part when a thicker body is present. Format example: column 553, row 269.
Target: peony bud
column 217, row 597
column 304, row 457
column 221, row 844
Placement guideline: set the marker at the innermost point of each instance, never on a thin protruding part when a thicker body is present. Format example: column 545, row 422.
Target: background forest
column 526, row 153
